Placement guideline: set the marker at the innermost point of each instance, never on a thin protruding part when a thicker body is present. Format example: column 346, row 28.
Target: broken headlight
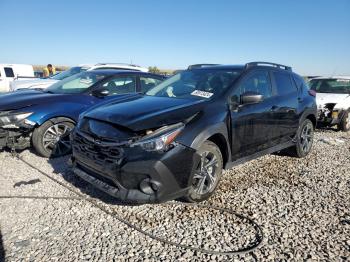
column 8, row 119
column 335, row 114
column 160, row 139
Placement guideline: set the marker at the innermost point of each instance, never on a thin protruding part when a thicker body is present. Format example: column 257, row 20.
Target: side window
column 120, row 85
column 284, row 83
column 300, row 82
column 148, row 82
column 258, row 82
column 9, row 72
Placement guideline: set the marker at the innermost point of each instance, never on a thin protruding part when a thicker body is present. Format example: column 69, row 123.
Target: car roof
column 120, row 72
column 220, row 67
column 265, row 65
column 114, row 65
column 332, row 77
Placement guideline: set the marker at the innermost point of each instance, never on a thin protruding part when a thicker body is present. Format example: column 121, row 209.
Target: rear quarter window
column 9, row 72
column 284, row 84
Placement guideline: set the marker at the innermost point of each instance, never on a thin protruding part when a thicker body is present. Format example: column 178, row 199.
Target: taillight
column 312, row 93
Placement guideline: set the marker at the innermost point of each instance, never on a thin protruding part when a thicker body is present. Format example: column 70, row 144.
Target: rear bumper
column 138, row 176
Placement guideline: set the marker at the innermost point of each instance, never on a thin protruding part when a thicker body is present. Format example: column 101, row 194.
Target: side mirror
column 234, row 102
column 251, row 98
column 101, row 92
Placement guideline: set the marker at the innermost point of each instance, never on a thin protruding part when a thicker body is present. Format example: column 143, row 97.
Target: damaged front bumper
column 132, row 174
column 16, row 138
column 328, row 116
column 15, row 129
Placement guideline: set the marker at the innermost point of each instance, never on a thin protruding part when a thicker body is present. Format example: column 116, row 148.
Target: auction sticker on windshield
column 201, row 93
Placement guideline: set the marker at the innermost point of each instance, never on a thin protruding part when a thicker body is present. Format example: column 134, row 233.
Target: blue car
column 44, row 118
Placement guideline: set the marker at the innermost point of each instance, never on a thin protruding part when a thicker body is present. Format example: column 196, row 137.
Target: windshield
column 336, row 86
column 69, row 72
column 77, row 83
column 195, row 84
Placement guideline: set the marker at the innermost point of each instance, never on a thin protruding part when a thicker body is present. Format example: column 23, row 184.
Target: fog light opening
column 149, row 186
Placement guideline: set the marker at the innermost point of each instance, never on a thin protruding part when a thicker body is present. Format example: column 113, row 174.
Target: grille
column 99, row 151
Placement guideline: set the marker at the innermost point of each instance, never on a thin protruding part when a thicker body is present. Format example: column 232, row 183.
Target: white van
column 9, row 72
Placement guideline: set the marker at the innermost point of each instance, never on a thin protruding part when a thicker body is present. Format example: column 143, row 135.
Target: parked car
column 8, row 72
column 174, row 140
column 42, row 83
column 44, row 118
column 333, row 101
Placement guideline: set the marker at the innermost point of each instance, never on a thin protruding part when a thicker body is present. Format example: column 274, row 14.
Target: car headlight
column 335, row 114
column 160, row 139
column 12, row 118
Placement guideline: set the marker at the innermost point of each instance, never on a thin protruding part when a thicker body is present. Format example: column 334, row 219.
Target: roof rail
column 200, row 65
column 284, row 67
column 126, row 64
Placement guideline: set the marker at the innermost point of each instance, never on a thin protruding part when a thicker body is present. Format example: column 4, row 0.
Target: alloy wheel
column 306, row 137
column 56, row 139
column 205, row 178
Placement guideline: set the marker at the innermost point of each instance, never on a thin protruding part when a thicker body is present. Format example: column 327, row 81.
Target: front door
column 252, row 123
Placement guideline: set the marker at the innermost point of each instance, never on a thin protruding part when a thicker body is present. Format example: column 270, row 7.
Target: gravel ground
column 302, row 206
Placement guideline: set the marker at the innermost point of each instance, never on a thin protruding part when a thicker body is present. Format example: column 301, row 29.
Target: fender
column 307, row 112
column 218, row 128
column 53, row 118
column 42, row 118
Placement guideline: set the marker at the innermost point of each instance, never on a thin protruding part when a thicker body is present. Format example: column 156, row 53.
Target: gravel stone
column 302, row 205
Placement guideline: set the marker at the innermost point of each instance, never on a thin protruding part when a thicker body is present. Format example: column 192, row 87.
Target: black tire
column 207, row 176
column 51, row 139
column 345, row 122
column 304, row 140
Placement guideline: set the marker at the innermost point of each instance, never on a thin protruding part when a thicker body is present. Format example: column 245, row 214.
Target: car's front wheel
column 51, row 139
column 207, row 174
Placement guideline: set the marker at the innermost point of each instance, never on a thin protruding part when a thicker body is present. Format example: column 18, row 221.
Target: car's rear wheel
column 51, row 139
column 345, row 122
column 207, row 174
column 304, row 139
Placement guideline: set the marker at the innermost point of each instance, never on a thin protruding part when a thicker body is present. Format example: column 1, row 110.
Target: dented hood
column 142, row 112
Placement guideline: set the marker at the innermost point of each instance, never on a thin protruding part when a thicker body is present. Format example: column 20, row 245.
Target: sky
column 311, row 36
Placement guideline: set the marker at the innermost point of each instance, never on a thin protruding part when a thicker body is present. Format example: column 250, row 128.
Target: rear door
column 252, row 123
column 285, row 111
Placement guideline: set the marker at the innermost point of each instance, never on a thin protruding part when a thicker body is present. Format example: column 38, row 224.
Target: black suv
column 174, row 141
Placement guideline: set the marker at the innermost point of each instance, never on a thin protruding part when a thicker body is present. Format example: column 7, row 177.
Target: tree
column 153, row 69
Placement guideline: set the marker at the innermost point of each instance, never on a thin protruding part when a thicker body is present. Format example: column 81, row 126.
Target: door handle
column 300, row 100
